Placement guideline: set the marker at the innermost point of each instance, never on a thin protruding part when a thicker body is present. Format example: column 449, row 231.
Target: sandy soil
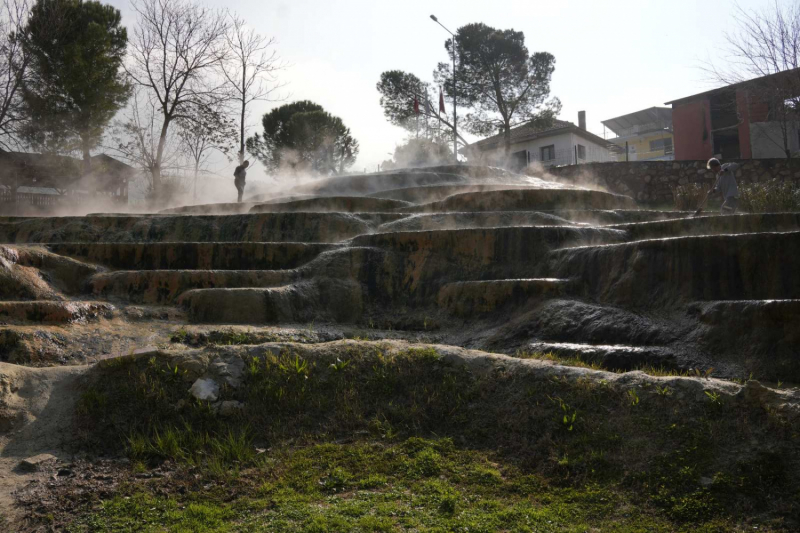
column 36, row 408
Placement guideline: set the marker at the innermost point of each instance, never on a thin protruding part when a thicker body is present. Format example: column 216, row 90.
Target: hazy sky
column 612, row 58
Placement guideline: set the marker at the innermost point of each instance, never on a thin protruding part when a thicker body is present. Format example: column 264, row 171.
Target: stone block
column 37, row 462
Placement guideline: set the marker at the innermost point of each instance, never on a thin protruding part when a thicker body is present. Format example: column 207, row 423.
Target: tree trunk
column 196, row 172
column 507, row 139
column 241, row 123
column 87, row 160
column 162, row 143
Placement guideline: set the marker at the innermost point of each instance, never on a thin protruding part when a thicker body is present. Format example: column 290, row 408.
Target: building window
column 581, row 151
column 661, row 144
column 548, row 152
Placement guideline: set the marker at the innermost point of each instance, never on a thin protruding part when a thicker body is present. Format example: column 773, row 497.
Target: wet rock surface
column 463, row 255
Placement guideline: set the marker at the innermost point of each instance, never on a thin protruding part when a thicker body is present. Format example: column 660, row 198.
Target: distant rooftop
column 527, row 132
column 46, row 171
column 790, row 77
column 651, row 119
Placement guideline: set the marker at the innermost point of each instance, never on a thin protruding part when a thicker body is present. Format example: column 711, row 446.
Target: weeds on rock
column 180, row 336
column 569, row 415
column 715, row 397
column 633, row 398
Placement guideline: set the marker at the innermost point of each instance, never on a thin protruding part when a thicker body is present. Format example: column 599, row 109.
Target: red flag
column 441, row 101
column 416, row 105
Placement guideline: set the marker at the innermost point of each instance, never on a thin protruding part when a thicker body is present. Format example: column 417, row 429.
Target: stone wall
column 652, row 181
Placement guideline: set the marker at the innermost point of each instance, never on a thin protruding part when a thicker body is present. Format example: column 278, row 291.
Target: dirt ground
column 37, row 406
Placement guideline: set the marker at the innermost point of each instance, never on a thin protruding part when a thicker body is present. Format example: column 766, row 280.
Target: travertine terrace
column 467, row 256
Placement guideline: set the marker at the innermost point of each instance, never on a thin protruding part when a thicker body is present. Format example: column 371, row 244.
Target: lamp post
column 455, row 115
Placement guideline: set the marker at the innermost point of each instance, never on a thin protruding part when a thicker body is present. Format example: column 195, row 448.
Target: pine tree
column 76, row 84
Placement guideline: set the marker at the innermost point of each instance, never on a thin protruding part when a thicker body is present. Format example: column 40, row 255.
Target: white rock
column 205, row 389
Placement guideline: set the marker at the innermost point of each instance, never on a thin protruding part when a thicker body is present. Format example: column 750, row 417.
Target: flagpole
column 455, row 114
column 416, row 112
column 427, row 106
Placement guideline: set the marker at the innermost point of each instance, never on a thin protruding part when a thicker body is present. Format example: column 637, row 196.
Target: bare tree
column 14, row 62
column 176, row 48
column 207, row 130
column 250, row 69
column 137, row 138
column 765, row 48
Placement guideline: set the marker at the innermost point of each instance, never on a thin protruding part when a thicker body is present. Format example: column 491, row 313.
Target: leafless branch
column 174, row 53
column 13, row 67
column 765, row 50
column 250, row 69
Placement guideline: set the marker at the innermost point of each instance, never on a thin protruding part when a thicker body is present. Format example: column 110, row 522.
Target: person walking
column 240, row 177
column 725, row 184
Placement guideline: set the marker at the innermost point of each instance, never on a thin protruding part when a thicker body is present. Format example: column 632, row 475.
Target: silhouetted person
column 726, row 184
column 240, row 177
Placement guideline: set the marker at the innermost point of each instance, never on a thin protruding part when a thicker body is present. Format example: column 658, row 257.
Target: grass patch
column 678, row 460
column 416, row 485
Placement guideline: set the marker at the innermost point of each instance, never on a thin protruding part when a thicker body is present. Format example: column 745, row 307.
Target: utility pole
column 455, row 114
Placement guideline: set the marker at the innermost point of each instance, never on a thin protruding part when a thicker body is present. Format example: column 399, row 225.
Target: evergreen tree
column 303, row 137
column 75, row 84
column 499, row 81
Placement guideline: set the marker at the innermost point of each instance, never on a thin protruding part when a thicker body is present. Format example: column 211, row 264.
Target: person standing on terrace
column 725, row 184
column 240, row 177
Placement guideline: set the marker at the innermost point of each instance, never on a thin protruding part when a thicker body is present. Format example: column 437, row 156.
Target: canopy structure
column 639, row 122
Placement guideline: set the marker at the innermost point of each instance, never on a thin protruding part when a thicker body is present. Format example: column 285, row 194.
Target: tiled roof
column 527, row 132
column 524, row 132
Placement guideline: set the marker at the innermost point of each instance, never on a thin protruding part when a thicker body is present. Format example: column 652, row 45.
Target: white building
column 563, row 143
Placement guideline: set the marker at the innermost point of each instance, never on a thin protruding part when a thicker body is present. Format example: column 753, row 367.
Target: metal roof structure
column 655, row 116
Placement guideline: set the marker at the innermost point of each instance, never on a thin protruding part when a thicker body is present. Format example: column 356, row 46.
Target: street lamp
column 455, row 116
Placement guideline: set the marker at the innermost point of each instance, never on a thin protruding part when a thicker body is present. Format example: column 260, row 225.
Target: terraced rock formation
column 452, row 259
column 468, row 256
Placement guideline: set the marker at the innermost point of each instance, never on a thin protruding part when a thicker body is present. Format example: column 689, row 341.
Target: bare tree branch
column 206, row 130
column 250, row 70
column 14, row 63
column 176, row 48
column 765, row 51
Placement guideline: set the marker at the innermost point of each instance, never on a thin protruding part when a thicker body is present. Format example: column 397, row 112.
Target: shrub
column 769, row 196
column 688, row 197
